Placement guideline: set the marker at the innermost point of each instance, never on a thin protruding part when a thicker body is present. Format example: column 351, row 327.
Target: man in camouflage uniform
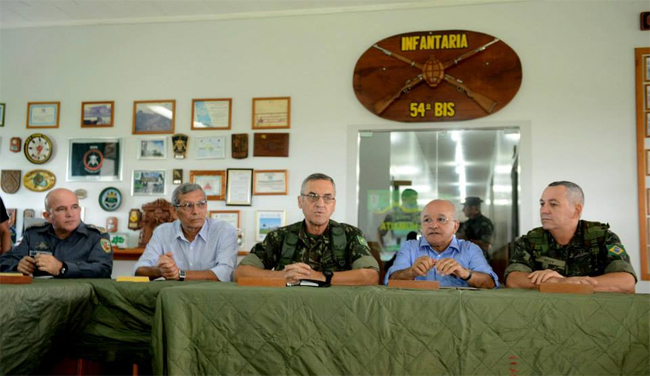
column 64, row 247
column 478, row 229
column 569, row 250
column 401, row 221
column 316, row 248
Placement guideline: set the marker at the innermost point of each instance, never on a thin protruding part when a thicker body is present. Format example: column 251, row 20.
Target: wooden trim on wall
column 642, row 163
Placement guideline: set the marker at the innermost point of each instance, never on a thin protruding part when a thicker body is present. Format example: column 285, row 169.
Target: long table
column 220, row 328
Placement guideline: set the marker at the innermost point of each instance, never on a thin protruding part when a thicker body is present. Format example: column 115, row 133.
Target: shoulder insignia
column 362, row 241
column 106, row 245
column 615, row 250
column 101, row 230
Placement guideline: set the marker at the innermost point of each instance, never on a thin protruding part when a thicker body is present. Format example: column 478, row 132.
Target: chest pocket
column 545, row 262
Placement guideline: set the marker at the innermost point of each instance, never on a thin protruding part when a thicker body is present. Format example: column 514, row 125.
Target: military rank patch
column 362, row 241
column 616, row 250
column 106, row 245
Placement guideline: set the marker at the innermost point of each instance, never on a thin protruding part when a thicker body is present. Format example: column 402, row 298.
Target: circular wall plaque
column 428, row 76
column 38, row 148
column 110, row 199
column 39, row 180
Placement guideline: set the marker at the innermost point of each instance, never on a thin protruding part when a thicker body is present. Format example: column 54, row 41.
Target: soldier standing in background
column 402, row 220
column 478, row 228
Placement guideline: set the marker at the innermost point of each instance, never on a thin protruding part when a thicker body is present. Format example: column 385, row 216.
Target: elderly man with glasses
column 440, row 256
column 193, row 246
column 316, row 248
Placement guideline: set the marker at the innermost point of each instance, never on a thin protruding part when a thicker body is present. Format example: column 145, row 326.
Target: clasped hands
column 43, row 262
column 540, row 276
column 295, row 272
column 167, row 266
column 444, row 266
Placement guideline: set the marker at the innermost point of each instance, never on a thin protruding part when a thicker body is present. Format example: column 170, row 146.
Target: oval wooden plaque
column 429, row 76
column 39, row 180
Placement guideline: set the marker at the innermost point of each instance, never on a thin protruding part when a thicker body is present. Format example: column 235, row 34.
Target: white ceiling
column 40, row 13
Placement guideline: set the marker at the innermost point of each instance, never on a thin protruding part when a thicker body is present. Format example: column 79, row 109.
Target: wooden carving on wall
column 155, row 214
column 430, row 76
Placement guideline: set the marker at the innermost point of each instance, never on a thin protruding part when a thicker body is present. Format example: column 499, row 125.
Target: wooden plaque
column 447, row 75
column 14, row 279
column 566, row 288
column 421, row 285
column 261, row 282
column 271, row 145
column 240, row 145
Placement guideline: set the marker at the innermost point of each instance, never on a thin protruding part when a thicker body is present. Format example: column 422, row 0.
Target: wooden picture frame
column 211, row 114
column 213, row 183
column 267, row 221
column 154, row 117
column 648, row 204
column 642, row 99
column 43, row 114
column 647, row 124
column 233, row 217
column 240, row 187
column 271, row 113
column 646, row 91
column 148, row 182
column 95, row 159
column 3, row 106
column 270, row 182
column 647, row 163
column 97, row 114
column 646, row 67
column 152, row 148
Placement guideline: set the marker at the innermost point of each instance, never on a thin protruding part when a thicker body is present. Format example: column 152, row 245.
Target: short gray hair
column 316, row 176
column 573, row 191
column 184, row 189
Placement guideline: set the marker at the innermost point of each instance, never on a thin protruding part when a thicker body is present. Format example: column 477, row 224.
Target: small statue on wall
column 155, row 213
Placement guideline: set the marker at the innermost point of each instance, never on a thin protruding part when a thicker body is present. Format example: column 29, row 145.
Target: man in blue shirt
column 439, row 256
column 193, row 246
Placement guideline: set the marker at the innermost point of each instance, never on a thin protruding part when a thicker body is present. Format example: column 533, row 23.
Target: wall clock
column 38, row 148
column 427, row 76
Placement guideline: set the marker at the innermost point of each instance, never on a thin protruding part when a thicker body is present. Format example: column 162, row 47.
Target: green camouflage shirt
column 593, row 251
column 315, row 251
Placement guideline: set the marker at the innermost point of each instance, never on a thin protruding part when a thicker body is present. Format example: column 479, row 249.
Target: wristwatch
column 469, row 276
column 64, row 269
column 328, row 276
column 181, row 275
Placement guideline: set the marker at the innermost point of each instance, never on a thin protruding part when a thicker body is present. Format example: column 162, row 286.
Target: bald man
column 439, row 256
column 64, row 247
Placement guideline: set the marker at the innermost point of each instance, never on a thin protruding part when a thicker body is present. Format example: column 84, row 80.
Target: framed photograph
column 212, row 182
column 647, row 162
column 152, row 148
column 646, row 76
column 154, row 117
column 148, row 182
column 43, row 114
column 97, row 114
column 647, row 96
column 211, row 147
column 240, row 187
column 232, row 217
column 647, row 204
column 272, row 113
column 270, row 182
column 211, row 114
column 267, row 221
column 2, row 114
column 95, row 159
column 647, row 124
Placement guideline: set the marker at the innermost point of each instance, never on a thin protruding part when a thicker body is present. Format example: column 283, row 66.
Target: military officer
column 478, row 228
column 568, row 249
column 316, row 248
column 63, row 247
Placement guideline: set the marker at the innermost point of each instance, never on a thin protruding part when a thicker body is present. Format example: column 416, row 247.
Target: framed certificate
column 211, row 147
column 211, row 114
column 43, row 114
column 212, row 182
column 267, row 221
column 152, row 148
column 95, row 159
column 270, row 182
column 154, row 117
column 240, row 187
column 97, row 114
column 232, row 217
column 272, row 113
column 148, row 182
column 2, row 114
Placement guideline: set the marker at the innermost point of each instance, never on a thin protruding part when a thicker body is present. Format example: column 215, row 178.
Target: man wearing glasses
column 316, row 248
column 193, row 246
column 440, row 256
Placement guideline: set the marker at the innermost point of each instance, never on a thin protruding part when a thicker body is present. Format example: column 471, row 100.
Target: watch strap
column 469, row 276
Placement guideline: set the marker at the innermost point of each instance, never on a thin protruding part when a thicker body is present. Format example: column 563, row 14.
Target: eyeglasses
column 189, row 206
column 313, row 198
column 439, row 220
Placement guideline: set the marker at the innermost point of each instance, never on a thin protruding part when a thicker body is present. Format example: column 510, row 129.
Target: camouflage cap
column 472, row 201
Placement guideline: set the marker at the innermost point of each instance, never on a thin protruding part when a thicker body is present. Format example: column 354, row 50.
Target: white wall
column 575, row 105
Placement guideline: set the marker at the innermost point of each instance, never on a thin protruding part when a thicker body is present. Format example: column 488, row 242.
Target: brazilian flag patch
column 616, row 250
column 362, row 241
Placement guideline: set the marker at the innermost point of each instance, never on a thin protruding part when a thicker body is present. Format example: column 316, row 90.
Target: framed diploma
column 95, row 159
column 240, row 186
column 154, row 117
column 211, row 114
column 272, row 113
column 233, row 217
column 148, row 182
column 212, row 182
column 43, row 114
column 2, row 114
column 270, row 182
column 267, row 221
column 97, row 114
column 152, row 148
column 211, row 147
